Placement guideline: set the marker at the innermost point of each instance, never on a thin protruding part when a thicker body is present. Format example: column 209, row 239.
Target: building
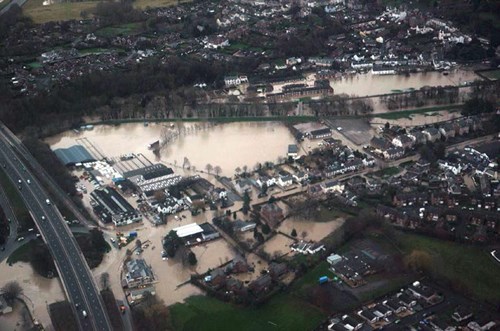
column 138, row 274
column 110, row 206
column 242, row 226
column 73, row 155
column 272, row 214
column 394, row 153
column 332, row 186
column 231, row 81
column 320, row 133
column 403, row 141
column 295, row 91
column 293, row 150
column 334, row 259
column 432, row 134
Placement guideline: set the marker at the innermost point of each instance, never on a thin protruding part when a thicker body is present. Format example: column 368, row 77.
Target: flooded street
column 368, row 84
column 226, row 145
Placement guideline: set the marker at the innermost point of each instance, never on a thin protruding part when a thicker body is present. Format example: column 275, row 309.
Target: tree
column 192, row 258
column 217, row 170
column 186, row 163
column 246, row 203
column 294, row 233
column 418, row 260
column 266, row 229
column 264, row 188
column 138, row 243
column 303, row 234
column 160, row 196
column 12, row 290
column 387, row 126
column 209, row 168
column 104, row 281
column 245, row 169
column 237, row 170
column 477, row 106
column 151, row 314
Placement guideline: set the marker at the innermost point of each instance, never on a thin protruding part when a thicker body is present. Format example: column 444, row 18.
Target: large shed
column 73, row 155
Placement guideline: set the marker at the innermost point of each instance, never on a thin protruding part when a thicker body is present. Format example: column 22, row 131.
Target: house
column 320, row 133
column 476, row 326
column 418, row 137
column 382, row 311
column 403, row 141
column 315, row 248
column 394, row 305
column 406, row 300
column 261, row 284
column 462, row 127
column 448, row 130
column 462, row 314
column 138, row 273
column 420, row 291
column 369, row 315
column 380, row 144
column 332, row 186
column 284, row 181
column 394, row 153
column 269, row 181
column 293, row 151
column 242, row 226
column 432, row 134
column 352, row 322
column 243, row 185
column 215, row 42
column 334, row 259
column 276, row 270
column 272, row 214
column 230, row 81
column 300, row 176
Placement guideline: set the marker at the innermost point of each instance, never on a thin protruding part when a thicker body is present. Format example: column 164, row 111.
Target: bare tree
column 245, row 169
column 303, row 234
column 217, row 170
column 12, row 290
column 159, row 195
column 209, row 168
column 186, row 163
column 258, row 166
column 104, row 281
column 237, row 170
column 138, row 243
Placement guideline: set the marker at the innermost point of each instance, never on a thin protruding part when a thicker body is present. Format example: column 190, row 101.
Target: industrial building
column 112, row 207
column 73, row 155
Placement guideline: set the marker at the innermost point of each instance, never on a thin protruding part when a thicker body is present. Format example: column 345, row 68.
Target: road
column 44, row 176
column 5, row 9
column 11, row 216
column 73, row 270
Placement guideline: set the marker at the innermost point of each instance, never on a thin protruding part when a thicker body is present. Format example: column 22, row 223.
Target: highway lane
column 43, row 175
column 75, row 274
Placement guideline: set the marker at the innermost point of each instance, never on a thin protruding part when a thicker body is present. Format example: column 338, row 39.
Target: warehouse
column 73, row 155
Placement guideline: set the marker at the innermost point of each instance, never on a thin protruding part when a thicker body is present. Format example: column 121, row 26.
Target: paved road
column 75, row 275
column 11, row 216
column 43, row 176
column 5, row 9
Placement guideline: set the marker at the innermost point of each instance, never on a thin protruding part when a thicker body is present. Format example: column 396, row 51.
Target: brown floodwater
column 368, row 84
column 225, row 145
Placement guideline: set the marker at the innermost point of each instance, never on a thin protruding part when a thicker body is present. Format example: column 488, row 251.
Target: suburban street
column 75, row 275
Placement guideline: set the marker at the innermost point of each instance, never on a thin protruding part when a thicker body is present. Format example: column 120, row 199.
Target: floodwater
column 309, row 230
column 368, row 84
column 38, row 291
column 228, row 146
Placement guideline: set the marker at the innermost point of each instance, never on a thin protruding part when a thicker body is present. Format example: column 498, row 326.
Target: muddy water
column 368, row 84
column 227, row 145
column 38, row 291
column 310, row 230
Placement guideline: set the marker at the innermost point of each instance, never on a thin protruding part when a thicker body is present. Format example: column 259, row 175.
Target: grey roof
column 74, row 154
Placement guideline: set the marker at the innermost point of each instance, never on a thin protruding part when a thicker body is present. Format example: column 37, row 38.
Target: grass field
column 491, row 74
column 71, row 10
column 470, row 266
column 391, row 171
column 406, row 113
column 283, row 312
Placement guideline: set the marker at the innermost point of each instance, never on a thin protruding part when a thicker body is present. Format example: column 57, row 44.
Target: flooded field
column 226, row 145
column 278, row 245
column 309, row 230
column 368, row 84
column 38, row 291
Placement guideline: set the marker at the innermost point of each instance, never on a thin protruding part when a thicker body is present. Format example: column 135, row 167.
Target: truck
column 323, row 279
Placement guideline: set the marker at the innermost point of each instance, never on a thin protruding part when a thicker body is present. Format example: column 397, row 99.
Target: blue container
column 323, row 279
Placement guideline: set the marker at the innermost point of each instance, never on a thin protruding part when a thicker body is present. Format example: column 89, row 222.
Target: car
column 38, row 235
column 47, row 201
column 43, row 218
column 19, row 181
column 84, row 313
column 20, row 239
column 28, row 181
column 123, row 309
column 112, row 240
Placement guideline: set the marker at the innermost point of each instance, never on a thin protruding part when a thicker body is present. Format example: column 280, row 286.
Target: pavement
column 74, row 273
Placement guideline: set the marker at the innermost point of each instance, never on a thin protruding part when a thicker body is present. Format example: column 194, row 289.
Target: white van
column 47, row 202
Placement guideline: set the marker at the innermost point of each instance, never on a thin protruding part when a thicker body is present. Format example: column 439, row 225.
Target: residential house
column 300, row 176
column 261, row 284
column 352, row 322
column 320, row 133
column 462, row 314
column 215, row 42
column 284, row 180
column 243, row 185
column 242, row 226
column 272, row 214
column 403, row 141
column 394, row 153
column 395, row 305
column 448, row 130
column 138, row 273
column 277, row 270
column 293, row 151
column 231, row 81
column 406, row 300
column 369, row 315
column 269, row 181
column 332, row 186
column 423, row 292
column 418, row 137
column 380, row 144
column 432, row 134
column 462, row 127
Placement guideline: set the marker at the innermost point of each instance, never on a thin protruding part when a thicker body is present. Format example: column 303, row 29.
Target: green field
column 283, row 312
column 396, row 115
column 491, row 74
column 119, row 30
column 387, row 172
column 470, row 266
column 72, row 10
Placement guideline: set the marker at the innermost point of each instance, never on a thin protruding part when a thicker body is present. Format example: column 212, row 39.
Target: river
column 228, row 145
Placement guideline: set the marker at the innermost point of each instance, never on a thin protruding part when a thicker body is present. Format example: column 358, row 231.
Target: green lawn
column 312, row 277
column 492, row 74
column 119, row 30
column 396, row 115
column 283, row 312
column 468, row 265
column 391, row 171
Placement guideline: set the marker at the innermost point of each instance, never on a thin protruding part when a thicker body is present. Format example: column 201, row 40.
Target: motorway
column 73, row 270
